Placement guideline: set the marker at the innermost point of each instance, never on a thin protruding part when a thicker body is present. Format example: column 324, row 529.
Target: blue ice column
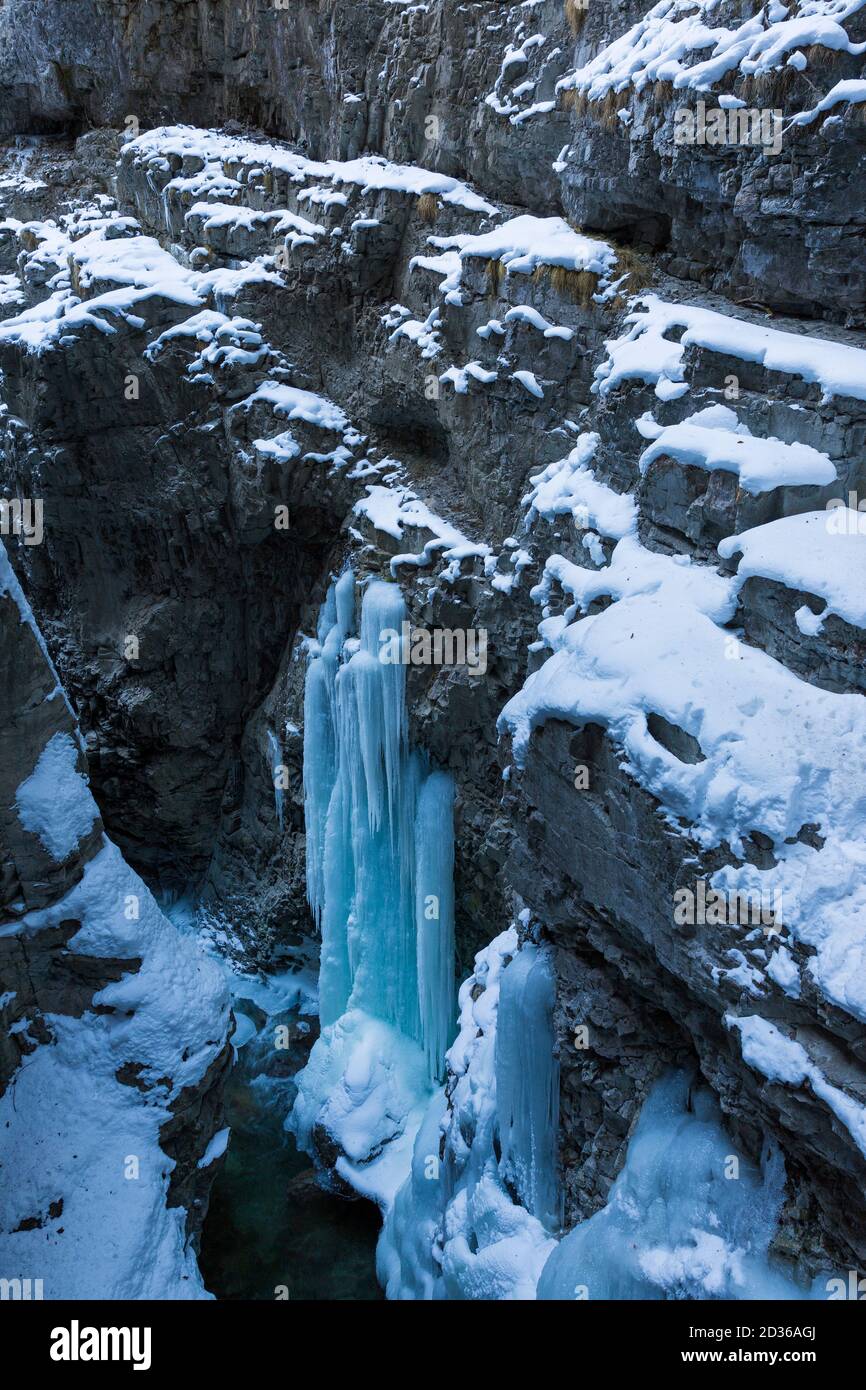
column 320, row 754
column 527, row 1082
column 363, row 790
column 434, row 918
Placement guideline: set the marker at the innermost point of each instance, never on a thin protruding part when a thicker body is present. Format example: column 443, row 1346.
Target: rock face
column 776, row 222
column 257, row 359
column 336, row 80
column 80, row 943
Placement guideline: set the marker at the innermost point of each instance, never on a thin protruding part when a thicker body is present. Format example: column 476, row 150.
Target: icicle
column 341, row 845
column 367, row 673
column 463, row 1236
column 319, row 774
column 320, row 756
column 527, row 1082
column 364, row 841
column 327, row 615
column 344, row 602
column 434, row 917
column 277, row 774
column 383, row 612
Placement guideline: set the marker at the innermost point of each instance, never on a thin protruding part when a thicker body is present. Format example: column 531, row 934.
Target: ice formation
column 687, row 1217
column 527, row 1082
column 380, row 858
column 380, row 881
column 434, row 917
column 477, row 1225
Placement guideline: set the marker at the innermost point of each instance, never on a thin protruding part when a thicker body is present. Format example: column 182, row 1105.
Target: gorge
column 433, row 824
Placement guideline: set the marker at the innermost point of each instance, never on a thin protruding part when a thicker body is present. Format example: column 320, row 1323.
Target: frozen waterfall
column 434, row 917
column 527, row 1082
column 380, row 840
column 482, row 1228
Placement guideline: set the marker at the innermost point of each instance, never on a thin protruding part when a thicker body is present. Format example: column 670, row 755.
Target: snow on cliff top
column 783, row 1059
column 526, row 242
column 677, row 41
column 395, row 509
column 295, row 404
column 132, row 270
column 715, row 438
column 821, row 553
column 645, row 353
column 370, row 172
column 569, row 487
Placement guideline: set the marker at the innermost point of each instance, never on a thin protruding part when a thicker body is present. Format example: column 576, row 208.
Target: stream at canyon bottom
column 269, row 1225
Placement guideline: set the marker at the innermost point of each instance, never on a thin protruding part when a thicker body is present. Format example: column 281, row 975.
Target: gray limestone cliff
column 301, row 335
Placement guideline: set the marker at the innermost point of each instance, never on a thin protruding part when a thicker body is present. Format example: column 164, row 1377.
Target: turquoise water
column 269, row 1226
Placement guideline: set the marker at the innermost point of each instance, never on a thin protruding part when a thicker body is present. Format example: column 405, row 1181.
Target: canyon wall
column 386, row 315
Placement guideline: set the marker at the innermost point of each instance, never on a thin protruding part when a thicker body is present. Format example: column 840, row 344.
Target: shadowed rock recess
column 541, row 325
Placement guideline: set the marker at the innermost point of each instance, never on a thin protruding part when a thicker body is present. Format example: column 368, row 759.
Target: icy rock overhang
column 676, row 1225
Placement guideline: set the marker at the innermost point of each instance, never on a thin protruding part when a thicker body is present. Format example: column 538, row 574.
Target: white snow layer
column 715, row 438
column 850, row 91
column 644, row 353
column 115, row 278
column 568, row 487
column 821, row 553
column 370, row 173
column 54, row 802
column 396, row 510
column 70, row 1130
column 677, row 41
column 782, row 1059
column 524, row 243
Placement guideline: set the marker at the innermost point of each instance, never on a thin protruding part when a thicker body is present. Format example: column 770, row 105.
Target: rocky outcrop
column 772, row 219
